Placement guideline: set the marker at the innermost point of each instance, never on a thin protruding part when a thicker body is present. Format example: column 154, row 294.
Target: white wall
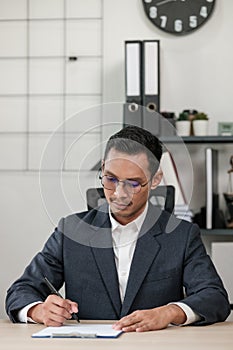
column 39, row 89
column 196, row 72
column 29, row 213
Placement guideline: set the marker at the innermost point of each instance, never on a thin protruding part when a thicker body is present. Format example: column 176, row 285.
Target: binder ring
column 151, row 107
column 133, row 107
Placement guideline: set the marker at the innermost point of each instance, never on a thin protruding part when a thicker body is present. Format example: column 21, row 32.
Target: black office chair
column 161, row 196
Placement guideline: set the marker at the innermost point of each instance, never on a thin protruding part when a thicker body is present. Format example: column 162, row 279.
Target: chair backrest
column 162, row 196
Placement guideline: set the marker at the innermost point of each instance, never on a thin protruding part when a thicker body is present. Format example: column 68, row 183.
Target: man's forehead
column 126, row 162
column 114, row 154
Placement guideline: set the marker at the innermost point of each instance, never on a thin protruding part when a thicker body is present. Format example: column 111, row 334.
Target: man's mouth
column 120, row 206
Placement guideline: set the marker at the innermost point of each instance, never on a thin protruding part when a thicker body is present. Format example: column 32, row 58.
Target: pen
column 54, row 291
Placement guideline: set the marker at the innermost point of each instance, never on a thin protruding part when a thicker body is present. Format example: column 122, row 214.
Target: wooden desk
column 214, row 337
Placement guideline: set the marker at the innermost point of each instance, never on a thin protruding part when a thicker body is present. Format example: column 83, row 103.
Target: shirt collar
column 138, row 221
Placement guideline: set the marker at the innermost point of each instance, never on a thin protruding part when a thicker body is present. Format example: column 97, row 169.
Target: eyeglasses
column 110, row 183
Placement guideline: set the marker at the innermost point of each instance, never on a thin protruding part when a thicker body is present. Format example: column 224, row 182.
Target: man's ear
column 156, row 179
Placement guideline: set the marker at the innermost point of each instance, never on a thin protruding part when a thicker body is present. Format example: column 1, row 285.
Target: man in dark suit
column 126, row 260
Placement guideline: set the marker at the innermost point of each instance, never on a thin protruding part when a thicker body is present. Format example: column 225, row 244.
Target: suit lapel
column 105, row 261
column 104, row 257
column 146, row 251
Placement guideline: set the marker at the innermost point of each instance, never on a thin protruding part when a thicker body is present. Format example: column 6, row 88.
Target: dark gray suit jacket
column 170, row 264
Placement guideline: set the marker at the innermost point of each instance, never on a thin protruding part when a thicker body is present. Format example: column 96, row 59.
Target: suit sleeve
column 205, row 293
column 30, row 287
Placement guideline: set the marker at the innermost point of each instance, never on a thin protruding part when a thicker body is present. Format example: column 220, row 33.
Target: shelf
column 217, row 232
column 197, row 139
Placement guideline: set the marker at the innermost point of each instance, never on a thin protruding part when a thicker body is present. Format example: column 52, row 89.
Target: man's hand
column 151, row 320
column 54, row 311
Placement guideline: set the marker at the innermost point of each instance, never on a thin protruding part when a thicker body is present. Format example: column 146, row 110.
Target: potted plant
column 200, row 124
column 183, row 124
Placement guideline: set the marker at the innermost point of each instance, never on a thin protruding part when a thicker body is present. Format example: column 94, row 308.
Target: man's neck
column 139, row 219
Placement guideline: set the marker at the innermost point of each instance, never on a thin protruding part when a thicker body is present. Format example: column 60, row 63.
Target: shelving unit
column 220, row 234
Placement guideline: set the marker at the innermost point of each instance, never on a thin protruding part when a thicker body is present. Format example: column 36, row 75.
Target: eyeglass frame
column 124, row 182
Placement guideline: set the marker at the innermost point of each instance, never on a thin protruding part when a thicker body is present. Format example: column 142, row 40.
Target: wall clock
column 178, row 16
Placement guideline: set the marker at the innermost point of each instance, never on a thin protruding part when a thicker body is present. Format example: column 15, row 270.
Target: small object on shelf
column 168, row 115
column 200, row 124
column 167, row 124
column 229, row 195
column 191, row 115
column 183, row 124
column 225, row 128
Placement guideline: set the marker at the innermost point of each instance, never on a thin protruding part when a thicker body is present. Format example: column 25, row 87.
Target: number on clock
column 178, row 16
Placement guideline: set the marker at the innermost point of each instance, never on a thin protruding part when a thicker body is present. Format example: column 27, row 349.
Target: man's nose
column 120, row 190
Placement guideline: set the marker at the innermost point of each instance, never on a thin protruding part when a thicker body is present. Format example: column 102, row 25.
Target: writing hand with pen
column 55, row 310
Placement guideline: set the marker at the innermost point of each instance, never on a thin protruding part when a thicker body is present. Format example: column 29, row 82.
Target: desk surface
column 214, row 337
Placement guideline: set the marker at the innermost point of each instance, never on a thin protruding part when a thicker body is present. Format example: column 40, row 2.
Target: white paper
column 88, row 330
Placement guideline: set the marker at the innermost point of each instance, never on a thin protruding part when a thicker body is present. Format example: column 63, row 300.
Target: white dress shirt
column 124, row 239
column 23, row 313
column 124, row 242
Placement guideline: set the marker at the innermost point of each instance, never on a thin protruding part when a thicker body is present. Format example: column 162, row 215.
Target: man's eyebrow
column 107, row 172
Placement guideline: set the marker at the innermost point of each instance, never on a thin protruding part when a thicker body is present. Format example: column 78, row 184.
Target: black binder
column 151, row 86
column 133, row 81
column 132, row 114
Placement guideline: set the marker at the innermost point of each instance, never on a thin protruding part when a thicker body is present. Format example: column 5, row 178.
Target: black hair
column 143, row 142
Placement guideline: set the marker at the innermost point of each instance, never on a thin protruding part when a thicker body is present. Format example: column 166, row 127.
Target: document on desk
column 79, row 331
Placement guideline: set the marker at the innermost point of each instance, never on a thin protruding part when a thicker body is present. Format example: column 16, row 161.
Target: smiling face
column 127, row 206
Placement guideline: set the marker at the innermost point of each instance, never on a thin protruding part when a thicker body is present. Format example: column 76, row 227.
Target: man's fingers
column 133, row 327
column 58, row 310
column 74, row 306
column 148, row 320
column 67, row 304
column 128, row 321
column 53, row 320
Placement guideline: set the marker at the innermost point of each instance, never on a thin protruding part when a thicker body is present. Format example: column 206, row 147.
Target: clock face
column 178, row 16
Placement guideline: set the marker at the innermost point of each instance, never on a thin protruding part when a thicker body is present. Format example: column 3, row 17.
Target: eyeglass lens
column 111, row 183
